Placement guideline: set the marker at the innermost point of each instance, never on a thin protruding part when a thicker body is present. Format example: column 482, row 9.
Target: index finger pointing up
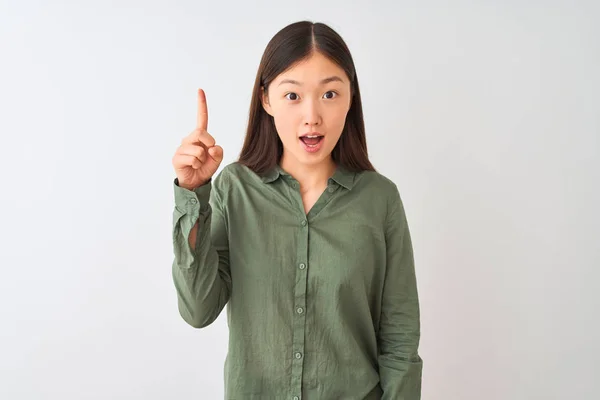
column 202, row 119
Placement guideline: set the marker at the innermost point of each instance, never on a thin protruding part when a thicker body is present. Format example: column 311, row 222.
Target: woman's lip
column 313, row 149
column 312, row 134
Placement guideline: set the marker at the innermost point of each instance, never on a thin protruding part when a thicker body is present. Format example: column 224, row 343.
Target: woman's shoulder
column 377, row 182
column 234, row 173
column 382, row 191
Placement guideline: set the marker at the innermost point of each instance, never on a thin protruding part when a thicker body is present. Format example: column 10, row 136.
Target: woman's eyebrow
column 324, row 81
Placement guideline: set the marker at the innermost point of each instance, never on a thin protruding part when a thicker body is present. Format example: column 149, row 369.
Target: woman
column 307, row 244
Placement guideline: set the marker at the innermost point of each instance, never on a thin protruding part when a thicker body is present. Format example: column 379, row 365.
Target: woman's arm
column 201, row 253
column 400, row 366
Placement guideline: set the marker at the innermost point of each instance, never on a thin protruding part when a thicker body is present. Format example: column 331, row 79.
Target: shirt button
column 193, row 201
column 299, row 310
column 298, row 355
column 303, row 223
column 302, row 266
column 296, row 398
column 331, row 189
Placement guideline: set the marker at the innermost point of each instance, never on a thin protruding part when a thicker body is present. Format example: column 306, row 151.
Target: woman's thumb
column 216, row 153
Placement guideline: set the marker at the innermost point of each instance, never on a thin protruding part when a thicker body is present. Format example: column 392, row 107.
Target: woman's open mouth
column 311, row 143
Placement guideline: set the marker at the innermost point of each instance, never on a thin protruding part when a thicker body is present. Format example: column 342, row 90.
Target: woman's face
column 311, row 98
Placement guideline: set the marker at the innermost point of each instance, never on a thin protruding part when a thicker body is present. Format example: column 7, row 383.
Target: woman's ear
column 265, row 100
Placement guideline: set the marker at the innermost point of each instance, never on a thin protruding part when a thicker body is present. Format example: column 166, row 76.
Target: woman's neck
column 310, row 177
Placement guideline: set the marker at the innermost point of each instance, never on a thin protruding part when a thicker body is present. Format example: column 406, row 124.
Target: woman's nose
column 312, row 113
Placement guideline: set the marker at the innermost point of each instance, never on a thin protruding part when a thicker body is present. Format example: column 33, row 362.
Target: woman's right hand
column 198, row 157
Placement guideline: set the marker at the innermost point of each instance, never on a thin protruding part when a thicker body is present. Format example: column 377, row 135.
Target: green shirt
column 321, row 305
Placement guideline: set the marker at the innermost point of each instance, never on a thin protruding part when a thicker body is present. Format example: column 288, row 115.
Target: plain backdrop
column 485, row 114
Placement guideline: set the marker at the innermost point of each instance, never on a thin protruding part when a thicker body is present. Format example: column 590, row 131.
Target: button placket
column 299, row 318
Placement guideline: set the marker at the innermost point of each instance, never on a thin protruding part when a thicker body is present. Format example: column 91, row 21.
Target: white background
column 486, row 115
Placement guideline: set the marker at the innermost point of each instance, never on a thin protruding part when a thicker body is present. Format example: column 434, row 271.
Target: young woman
column 307, row 244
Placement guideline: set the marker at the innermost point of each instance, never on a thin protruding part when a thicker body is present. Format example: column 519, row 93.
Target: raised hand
column 198, row 157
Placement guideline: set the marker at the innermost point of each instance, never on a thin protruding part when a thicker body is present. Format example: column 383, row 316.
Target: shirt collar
column 342, row 176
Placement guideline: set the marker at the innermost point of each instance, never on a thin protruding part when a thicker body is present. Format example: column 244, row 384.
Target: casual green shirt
column 321, row 305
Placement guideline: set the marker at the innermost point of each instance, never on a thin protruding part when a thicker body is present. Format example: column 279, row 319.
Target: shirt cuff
column 197, row 198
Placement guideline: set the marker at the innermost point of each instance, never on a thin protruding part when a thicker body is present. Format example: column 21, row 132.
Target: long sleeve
column 201, row 276
column 400, row 366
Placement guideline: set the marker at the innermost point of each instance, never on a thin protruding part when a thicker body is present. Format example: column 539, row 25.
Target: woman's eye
column 328, row 95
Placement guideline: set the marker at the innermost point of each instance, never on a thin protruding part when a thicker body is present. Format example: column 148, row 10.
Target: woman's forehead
column 312, row 72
